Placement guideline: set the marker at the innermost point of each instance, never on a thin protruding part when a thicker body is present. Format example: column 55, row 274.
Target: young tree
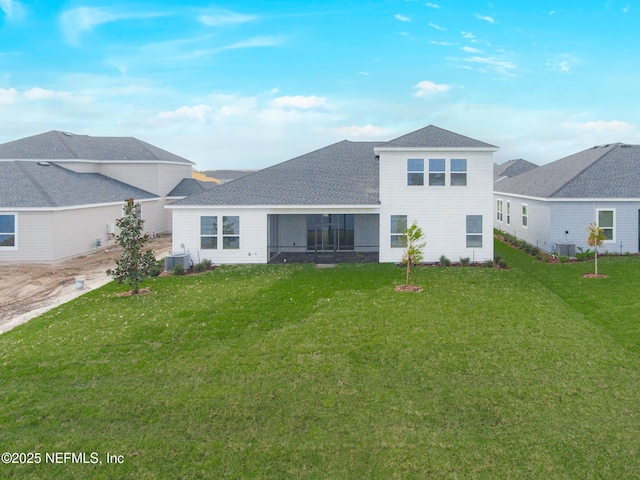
column 134, row 264
column 413, row 250
column 595, row 239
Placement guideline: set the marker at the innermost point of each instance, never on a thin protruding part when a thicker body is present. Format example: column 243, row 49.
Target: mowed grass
column 295, row 372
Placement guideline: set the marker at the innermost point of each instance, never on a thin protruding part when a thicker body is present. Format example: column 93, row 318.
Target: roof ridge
column 144, row 146
column 61, row 136
column 552, row 194
column 37, row 184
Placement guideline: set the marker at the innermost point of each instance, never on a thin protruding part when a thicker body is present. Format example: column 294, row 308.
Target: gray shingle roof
column 25, row 184
column 57, row 145
column 512, row 168
column 608, row 171
column 190, row 186
column 435, row 137
column 345, row 173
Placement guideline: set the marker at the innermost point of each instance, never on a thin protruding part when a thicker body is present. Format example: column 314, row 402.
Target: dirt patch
column 408, row 288
column 27, row 291
column 593, row 275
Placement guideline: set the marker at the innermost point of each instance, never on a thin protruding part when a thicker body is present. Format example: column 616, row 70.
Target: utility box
column 566, row 249
column 174, row 259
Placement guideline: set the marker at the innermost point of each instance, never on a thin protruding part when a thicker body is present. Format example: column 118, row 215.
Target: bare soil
column 27, row 291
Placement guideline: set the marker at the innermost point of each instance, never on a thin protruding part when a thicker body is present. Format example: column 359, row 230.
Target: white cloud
column 216, row 18
column 471, row 50
column 433, row 5
column 8, row 96
column 197, row 113
column 299, row 102
column 563, row 64
column 370, row 132
column 601, row 126
column 402, row 18
column 366, row 74
column 468, row 35
column 77, row 21
column 12, row 9
column 437, row 27
column 427, row 89
column 625, row 9
column 443, row 44
column 268, row 41
column 486, row 18
column 498, row 65
column 37, row 93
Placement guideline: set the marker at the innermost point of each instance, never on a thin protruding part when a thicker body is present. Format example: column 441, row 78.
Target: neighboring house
column 189, row 186
column 551, row 206
column 512, row 168
column 60, row 193
column 226, row 176
column 349, row 202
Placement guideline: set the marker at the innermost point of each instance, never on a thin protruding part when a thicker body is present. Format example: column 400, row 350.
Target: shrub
column 178, row 270
column 563, row 258
column 488, row 263
column 464, row 261
column 202, row 266
column 502, row 264
column 444, row 261
column 156, row 268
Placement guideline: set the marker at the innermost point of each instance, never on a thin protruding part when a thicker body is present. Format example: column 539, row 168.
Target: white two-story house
column 349, row 202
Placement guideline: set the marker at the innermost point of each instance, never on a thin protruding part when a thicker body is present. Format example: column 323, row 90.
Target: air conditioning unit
column 174, row 259
column 566, row 249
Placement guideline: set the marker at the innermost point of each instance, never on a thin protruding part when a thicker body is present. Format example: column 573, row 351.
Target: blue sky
column 247, row 84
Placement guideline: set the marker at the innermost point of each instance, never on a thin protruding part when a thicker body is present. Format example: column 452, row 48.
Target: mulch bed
column 130, row 293
column 408, row 288
column 593, row 275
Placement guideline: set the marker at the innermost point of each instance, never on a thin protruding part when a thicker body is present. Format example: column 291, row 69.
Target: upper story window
column 606, row 223
column 415, row 171
column 436, row 172
column 499, row 213
column 458, row 172
column 508, row 212
column 7, row 231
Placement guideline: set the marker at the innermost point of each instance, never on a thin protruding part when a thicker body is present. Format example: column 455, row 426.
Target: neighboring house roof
column 228, row 175
column 190, row 186
column 55, row 145
column 203, row 177
column 512, row 168
column 345, row 173
column 607, row 171
column 435, row 137
column 44, row 185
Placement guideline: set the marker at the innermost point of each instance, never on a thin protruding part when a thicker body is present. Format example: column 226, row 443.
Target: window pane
column 208, row 225
column 398, row 223
column 230, row 225
column 605, row 218
column 436, row 164
column 415, row 179
column 459, row 179
column 608, row 233
column 397, row 241
column 458, row 165
column 208, row 243
column 474, row 223
column 232, row 243
column 415, row 165
column 7, row 224
column 474, row 241
column 7, row 240
column 436, row 179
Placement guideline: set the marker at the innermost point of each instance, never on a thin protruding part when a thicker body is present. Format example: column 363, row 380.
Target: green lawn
column 295, row 372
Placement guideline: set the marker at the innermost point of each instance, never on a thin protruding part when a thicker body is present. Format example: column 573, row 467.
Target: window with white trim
column 415, row 171
column 499, row 210
column 474, row 231
column 231, row 233
column 7, row 231
column 525, row 215
column 458, row 172
column 436, row 172
column 398, row 226
column 606, row 223
column 208, row 233
column 508, row 212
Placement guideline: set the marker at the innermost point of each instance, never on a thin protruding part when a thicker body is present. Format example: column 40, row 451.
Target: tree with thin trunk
column 413, row 249
column 134, row 264
column 595, row 239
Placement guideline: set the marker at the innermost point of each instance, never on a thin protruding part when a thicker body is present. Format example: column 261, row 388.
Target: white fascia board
column 73, row 207
column 552, row 199
column 273, row 207
column 377, row 150
column 79, row 160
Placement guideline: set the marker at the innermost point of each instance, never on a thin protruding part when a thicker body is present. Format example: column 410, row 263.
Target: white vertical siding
column 440, row 211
